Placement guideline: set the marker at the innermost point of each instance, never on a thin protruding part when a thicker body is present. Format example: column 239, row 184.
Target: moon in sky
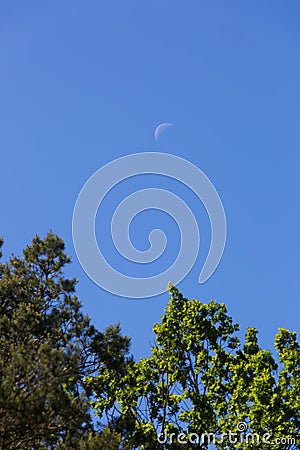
column 160, row 128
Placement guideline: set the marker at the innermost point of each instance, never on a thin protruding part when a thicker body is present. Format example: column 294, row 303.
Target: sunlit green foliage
column 199, row 380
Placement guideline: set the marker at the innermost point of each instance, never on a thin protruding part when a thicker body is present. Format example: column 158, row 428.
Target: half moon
column 160, row 128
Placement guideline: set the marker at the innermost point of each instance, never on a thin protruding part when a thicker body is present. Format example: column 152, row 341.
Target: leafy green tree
column 265, row 394
column 203, row 386
column 182, row 386
column 47, row 348
column 199, row 385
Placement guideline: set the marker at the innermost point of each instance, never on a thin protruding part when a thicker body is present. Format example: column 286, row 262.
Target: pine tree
column 47, row 348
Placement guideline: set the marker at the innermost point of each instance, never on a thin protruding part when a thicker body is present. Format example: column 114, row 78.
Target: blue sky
column 83, row 83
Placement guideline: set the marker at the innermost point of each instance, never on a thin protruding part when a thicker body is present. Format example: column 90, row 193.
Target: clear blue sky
column 83, row 83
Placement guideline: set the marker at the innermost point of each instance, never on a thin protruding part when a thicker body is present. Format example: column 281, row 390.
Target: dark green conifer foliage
column 47, row 347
